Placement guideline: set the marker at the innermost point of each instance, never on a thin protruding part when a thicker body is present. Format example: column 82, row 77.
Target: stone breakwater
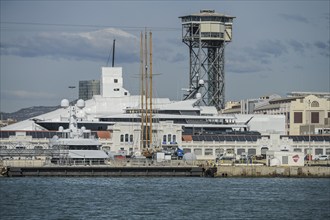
column 264, row 171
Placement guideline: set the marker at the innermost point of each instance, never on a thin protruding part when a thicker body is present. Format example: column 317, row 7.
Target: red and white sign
column 295, row 158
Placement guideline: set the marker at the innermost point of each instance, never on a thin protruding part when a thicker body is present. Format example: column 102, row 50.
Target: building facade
column 88, row 88
column 309, row 115
column 304, row 112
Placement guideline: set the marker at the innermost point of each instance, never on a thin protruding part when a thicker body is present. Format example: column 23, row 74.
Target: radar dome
column 80, row 103
column 65, row 103
column 198, row 96
column 60, row 128
column 201, row 82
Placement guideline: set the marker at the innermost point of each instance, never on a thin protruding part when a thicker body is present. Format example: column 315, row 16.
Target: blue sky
column 46, row 46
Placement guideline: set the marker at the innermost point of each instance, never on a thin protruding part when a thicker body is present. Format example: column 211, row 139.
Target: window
column 186, row 150
column 115, row 80
column 164, row 139
column 208, row 151
column 315, row 104
column 198, row 151
column 240, row 151
column 318, row 151
column 38, row 147
column 219, row 151
column 122, row 138
column 264, row 150
column 297, row 117
column 315, row 117
column 327, row 151
column 131, row 138
column 174, row 138
column 169, row 139
column 116, row 89
column 285, row 160
column 252, row 151
column 126, row 137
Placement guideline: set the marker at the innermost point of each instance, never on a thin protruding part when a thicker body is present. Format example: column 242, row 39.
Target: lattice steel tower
column 206, row 35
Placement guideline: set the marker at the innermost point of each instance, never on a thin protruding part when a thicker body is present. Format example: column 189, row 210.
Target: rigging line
column 88, row 25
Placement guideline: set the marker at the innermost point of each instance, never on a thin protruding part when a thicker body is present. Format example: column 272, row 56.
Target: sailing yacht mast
column 150, row 78
column 146, row 91
column 142, row 91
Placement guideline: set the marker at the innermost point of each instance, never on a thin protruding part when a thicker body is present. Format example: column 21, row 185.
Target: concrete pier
column 264, row 171
column 97, row 171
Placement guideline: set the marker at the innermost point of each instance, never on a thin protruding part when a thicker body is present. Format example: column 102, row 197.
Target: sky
column 46, row 46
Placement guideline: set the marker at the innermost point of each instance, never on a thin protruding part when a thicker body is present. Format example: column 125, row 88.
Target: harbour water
column 164, row 198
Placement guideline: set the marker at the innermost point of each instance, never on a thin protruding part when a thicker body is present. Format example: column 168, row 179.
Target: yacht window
column 122, row 138
column 126, row 137
column 131, row 138
column 2, row 147
column 164, row 139
column 38, row 147
column 174, row 138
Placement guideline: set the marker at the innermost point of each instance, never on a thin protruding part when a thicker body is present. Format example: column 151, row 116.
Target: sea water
column 164, row 198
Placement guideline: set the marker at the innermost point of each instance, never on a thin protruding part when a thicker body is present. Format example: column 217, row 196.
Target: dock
column 105, row 171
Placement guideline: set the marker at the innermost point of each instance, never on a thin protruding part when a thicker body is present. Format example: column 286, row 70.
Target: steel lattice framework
column 206, row 34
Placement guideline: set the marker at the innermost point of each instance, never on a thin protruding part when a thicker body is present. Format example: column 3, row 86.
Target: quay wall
column 105, row 171
column 265, row 171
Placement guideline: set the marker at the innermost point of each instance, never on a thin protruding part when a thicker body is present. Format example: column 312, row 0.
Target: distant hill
column 27, row 113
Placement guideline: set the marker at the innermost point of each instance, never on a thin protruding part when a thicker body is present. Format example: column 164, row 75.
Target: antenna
column 113, row 52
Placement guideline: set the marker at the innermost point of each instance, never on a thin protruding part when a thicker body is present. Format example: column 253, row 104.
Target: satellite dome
column 189, row 157
column 198, row 96
column 60, row 128
column 65, row 103
column 275, row 162
column 80, row 103
column 201, row 82
column 83, row 128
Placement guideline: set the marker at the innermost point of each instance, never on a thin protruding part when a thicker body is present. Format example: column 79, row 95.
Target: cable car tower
column 206, row 34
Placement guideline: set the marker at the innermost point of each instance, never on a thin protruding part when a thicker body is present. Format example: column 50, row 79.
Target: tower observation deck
column 206, row 34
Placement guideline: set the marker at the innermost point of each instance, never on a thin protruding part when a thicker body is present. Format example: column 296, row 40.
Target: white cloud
column 93, row 45
column 23, row 94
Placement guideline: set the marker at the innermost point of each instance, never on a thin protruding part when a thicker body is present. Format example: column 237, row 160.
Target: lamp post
column 309, row 133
